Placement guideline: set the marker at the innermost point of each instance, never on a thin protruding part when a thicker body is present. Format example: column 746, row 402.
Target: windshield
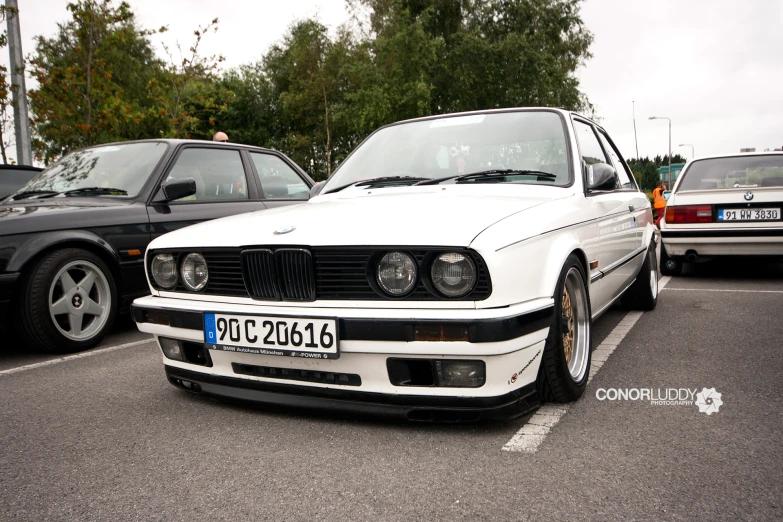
column 125, row 167
column 458, row 145
column 734, row 172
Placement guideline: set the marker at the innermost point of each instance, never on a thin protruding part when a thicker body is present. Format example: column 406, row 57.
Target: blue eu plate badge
column 210, row 332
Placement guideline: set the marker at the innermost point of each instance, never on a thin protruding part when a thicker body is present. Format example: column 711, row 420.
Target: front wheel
column 67, row 303
column 566, row 361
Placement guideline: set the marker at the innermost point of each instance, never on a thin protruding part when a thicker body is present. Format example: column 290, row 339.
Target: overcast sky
column 715, row 67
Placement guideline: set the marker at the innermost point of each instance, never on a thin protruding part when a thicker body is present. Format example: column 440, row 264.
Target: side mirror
column 666, row 194
column 178, row 188
column 317, row 188
column 601, row 176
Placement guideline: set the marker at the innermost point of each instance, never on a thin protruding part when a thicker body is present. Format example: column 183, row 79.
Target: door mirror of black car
column 175, row 189
column 317, row 188
column 601, row 176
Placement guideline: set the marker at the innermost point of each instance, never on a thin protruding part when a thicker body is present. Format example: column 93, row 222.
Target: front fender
column 29, row 246
column 530, row 269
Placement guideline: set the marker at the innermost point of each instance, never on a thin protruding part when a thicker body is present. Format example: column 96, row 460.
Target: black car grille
column 285, row 273
column 328, row 273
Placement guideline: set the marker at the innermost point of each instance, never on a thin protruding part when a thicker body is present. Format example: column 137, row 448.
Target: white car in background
column 448, row 270
column 724, row 206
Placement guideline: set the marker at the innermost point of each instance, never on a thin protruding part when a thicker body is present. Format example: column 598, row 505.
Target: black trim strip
column 617, row 265
column 479, row 330
column 758, row 232
column 413, row 407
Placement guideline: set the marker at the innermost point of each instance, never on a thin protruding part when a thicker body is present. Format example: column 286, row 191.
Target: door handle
column 631, row 208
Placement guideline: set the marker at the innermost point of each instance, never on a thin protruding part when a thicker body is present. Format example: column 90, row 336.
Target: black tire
column 671, row 266
column 555, row 382
column 35, row 325
column 643, row 293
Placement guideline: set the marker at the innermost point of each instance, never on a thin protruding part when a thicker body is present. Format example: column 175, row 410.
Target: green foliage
column 645, row 170
column 98, row 81
column 314, row 95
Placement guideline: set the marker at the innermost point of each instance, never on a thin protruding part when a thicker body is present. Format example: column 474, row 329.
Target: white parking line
column 726, row 290
column 72, row 357
column 532, row 434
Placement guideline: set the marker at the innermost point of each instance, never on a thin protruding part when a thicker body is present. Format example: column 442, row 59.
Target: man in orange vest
column 659, row 202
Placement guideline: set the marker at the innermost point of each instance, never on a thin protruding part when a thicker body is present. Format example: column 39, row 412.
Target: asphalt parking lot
column 104, row 436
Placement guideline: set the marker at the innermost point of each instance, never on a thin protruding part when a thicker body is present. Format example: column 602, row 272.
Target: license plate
column 308, row 337
column 748, row 214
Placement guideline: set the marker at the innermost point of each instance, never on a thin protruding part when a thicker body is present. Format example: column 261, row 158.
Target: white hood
column 448, row 215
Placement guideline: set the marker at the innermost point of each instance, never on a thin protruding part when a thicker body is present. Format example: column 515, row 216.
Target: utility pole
column 24, row 153
column 669, row 184
column 635, row 139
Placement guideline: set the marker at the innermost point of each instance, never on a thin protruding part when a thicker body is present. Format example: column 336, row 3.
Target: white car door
column 617, row 227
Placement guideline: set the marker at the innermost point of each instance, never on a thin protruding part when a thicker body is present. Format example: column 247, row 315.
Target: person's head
column 220, row 136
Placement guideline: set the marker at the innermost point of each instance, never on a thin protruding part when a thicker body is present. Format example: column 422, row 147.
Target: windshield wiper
column 382, row 179
column 31, row 193
column 96, row 190
column 491, row 174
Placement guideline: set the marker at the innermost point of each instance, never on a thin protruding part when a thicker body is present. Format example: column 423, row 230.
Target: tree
column 645, row 170
column 482, row 54
column 303, row 74
column 98, row 81
column 193, row 97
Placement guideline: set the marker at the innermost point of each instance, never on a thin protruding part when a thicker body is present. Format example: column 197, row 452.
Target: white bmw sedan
column 448, row 270
column 724, row 206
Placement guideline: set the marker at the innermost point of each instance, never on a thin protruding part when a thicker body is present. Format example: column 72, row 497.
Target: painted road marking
column 72, row 357
column 726, row 290
column 533, row 433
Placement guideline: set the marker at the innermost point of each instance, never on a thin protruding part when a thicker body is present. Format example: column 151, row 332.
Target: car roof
column 485, row 111
column 176, row 141
column 5, row 166
column 739, row 155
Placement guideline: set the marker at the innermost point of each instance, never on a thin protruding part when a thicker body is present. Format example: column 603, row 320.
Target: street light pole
column 693, row 149
column 669, row 184
column 24, row 154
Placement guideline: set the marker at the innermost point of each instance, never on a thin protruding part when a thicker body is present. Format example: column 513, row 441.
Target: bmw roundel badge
column 748, row 196
column 284, row 230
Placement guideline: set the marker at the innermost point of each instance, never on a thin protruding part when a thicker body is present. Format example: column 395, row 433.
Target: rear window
column 734, row 172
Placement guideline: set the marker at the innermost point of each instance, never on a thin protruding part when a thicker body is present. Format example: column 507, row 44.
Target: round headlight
column 164, row 270
column 397, row 273
column 194, row 272
column 453, row 274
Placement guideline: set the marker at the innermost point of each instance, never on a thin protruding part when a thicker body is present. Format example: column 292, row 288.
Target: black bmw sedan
column 72, row 240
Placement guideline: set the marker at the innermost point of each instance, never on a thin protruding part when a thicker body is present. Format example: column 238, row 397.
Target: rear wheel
column 67, row 303
column 643, row 293
column 670, row 265
column 566, row 361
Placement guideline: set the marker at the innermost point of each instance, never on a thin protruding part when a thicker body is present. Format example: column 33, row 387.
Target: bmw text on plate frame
column 441, row 253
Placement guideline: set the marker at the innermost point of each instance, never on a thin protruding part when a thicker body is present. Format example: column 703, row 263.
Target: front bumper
column 8, row 284
column 724, row 242
column 508, row 340
column 512, row 405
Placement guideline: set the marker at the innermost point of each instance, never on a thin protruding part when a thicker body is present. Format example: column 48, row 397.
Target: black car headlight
column 194, row 272
column 396, row 273
column 453, row 274
column 164, row 270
